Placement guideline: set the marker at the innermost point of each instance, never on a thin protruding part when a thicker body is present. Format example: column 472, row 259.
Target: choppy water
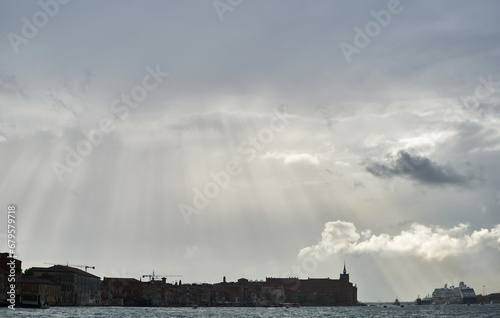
column 475, row 311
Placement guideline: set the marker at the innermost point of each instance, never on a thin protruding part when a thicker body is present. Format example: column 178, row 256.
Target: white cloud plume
column 430, row 243
column 294, row 158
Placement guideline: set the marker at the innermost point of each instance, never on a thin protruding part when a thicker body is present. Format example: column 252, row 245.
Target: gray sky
column 357, row 131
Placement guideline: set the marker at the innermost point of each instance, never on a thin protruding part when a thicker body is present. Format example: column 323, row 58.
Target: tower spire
column 344, row 275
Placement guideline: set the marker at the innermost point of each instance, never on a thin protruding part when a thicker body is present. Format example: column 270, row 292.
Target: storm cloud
column 417, row 168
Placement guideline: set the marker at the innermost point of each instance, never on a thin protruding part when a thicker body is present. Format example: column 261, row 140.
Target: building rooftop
column 122, row 279
column 62, row 269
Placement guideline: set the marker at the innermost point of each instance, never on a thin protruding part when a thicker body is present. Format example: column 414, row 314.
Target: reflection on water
column 476, row 311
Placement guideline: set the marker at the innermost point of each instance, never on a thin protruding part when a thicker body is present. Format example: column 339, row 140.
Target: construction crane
column 67, row 264
column 83, row 266
column 153, row 277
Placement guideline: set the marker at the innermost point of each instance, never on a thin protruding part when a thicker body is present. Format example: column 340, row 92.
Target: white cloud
column 26, row 124
column 430, row 243
column 294, row 158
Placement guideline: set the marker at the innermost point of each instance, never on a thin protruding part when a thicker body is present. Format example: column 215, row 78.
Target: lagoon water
column 412, row 311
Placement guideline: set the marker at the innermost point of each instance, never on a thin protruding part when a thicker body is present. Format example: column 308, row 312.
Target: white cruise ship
column 462, row 294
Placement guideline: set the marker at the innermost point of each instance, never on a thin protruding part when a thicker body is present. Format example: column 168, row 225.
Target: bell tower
column 344, row 275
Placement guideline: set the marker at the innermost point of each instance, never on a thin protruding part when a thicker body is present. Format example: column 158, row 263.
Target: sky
column 255, row 139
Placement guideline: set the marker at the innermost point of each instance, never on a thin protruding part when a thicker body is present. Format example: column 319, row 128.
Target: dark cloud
column 486, row 110
column 417, row 168
column 10, row 84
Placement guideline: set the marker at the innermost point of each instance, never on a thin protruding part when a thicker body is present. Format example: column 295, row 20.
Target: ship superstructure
column 462, row 294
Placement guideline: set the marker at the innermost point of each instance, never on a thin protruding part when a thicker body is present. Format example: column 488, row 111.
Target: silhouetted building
column 10, row 273
column 122, row 292
column 68, row 286
column 319, row 291
column 77, row 287
column 42, row 285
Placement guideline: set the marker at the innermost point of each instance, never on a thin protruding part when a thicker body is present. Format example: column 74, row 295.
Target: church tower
column 348, row 292
column 344, row 275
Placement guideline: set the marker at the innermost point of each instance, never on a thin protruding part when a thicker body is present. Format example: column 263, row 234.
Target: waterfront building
column 319, row 291
column 78, row 288
column 5, row 274
column 68, row 286
column 122, row 292
column 42, row 285
column 152, row 293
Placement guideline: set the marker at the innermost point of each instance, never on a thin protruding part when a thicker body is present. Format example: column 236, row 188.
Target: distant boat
column 288, row 305
column 427, row 300
column 396, row 302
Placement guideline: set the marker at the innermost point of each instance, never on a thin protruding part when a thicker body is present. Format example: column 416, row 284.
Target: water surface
column 475, row 311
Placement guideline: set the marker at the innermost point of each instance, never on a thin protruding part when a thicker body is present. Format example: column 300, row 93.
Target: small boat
column 195, row 306
column 427, row 300
column 396, row 302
